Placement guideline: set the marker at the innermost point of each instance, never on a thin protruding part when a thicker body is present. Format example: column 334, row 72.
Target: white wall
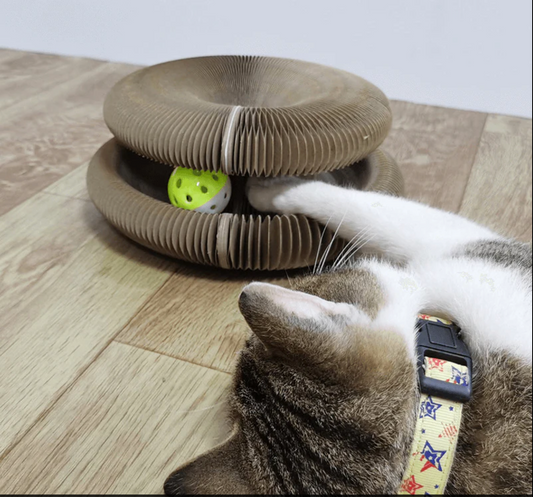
column 470, row 54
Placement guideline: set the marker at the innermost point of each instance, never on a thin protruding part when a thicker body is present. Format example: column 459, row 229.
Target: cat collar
column 445, row 377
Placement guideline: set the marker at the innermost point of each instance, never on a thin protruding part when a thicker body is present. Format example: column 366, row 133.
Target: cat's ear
column 216, row 472
column 291, row 321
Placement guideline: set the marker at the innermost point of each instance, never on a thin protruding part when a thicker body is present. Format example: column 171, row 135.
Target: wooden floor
column 114, row 361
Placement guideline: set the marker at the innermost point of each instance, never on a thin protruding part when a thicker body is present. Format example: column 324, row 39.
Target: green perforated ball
column 201, row 191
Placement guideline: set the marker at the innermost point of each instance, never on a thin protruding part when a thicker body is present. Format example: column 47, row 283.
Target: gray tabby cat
column 325, row 395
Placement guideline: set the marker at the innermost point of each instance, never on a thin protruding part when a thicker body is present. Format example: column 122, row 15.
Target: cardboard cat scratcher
column 244, row 116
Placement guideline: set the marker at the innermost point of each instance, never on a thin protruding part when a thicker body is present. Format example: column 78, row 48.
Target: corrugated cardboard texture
column 245, row 115
column 130, row 191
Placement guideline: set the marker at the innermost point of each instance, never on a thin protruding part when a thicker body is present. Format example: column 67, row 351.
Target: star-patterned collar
column 439, row 418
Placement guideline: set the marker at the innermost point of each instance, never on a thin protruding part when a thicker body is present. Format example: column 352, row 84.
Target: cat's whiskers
column 361, row 240
column 320, row 244
column 325, row 255
column 355, row 239
column 356, row 247
column 289, row 279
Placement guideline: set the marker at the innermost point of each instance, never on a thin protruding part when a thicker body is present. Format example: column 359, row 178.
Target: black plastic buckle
column 442, row 341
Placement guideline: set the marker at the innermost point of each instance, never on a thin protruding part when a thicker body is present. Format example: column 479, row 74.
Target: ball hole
column 213, row 207
column 204, row 189
column 178, row 183
column 197, row 173
column 189, row 198
column 225, row 195
column 215, row 177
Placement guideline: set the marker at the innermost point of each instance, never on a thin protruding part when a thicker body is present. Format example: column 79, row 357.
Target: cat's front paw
column 273, row 194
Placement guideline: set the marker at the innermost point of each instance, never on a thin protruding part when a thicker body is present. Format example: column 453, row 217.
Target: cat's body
column 325, row 396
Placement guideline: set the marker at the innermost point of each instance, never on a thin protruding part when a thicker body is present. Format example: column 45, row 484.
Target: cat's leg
column 402, row 229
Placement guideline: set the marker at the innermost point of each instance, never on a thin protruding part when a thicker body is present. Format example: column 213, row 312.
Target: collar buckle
column 438, row 340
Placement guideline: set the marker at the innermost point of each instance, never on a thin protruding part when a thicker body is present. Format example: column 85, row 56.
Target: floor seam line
column 74, row 381
column 473, row 163
column 170, row 356
column 53, row 403
column 61, row 195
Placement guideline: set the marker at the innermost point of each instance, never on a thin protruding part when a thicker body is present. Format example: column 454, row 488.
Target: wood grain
column 195, row 317
column 435, row 148
column 67, row 319
column 6, row 58
column 20, row 72
column 130, row 420
column 38, row 239
column 56, row 126
column 71, row 185
column 9, row 54
column 498, row 194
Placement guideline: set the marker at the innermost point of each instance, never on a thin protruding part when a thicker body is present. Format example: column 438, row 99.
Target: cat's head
column 324, row 395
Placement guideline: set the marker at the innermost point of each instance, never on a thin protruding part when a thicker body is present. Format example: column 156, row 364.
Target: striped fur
column 325, row 394
column 331, row 418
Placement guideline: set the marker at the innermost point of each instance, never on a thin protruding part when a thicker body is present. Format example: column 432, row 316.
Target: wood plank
column 129, row 421
column 25, row 74
column 435, row 148
column 38, row 239
column 67, row 318
column 51, row 133
column 87, row 84
column 195, row 317
column 498, row 194
column 11, row 53
column 72, row 185
column 7, row 54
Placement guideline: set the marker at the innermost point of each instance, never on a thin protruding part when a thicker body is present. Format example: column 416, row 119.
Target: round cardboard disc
column 244, row 115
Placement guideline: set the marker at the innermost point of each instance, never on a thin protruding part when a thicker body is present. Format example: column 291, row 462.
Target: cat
column 325, row 394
